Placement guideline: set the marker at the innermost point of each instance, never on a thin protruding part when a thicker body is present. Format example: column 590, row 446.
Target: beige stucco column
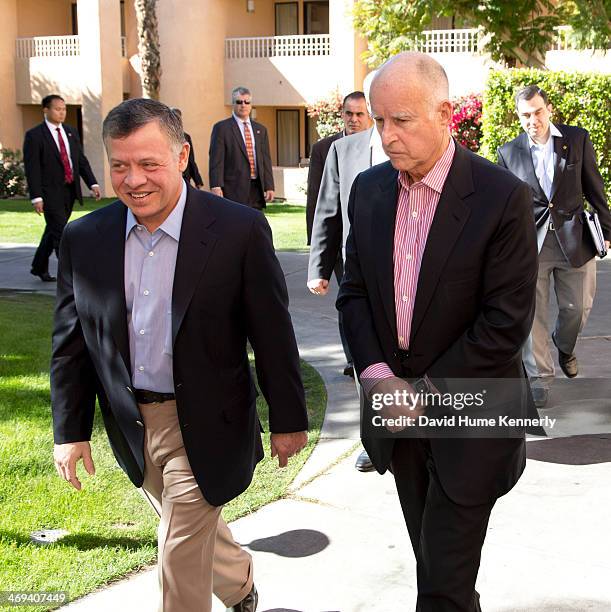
column 345, row 46
column 99, row 24
column 10, row 114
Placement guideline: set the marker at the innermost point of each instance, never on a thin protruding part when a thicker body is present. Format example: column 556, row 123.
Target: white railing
column 54, row 46
column 563, row 40
column 48, row 46
column 278, row 46
column 448, row 41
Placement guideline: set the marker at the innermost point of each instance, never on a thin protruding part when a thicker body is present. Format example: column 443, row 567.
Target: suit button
column 551, row 205
column 178, row 385
column 184, row 425
column 140, row 423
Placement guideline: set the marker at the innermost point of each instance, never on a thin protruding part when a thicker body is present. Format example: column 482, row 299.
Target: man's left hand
column 269, row 195
column 285, row 445
column 608, row 244
column 96, row 192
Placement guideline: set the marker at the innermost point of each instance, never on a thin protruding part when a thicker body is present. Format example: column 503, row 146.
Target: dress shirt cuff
column 372, row 374
column 36, row 200
column 94, row 185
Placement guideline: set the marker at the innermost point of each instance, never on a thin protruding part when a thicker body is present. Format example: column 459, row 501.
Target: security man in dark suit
column 191, row 173
column 54, row 162
column 559, row 164
column 240, row 160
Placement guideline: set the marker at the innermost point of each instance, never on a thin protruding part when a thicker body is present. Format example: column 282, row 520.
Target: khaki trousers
column 197, row 553
column 575, row 289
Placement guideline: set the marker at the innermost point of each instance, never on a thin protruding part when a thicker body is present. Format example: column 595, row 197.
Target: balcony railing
column 278, row 46
column 464, row 40
column 53, row 46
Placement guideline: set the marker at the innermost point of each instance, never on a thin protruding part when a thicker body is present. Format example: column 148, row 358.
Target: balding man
column 439, row 284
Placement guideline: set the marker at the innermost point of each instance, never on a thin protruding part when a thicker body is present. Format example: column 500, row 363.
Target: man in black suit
column 54, row 163
column 191, row 172
column 158, row 294
column 240, row 161
column 439, row 284
column 355, row 117
column 559, row 164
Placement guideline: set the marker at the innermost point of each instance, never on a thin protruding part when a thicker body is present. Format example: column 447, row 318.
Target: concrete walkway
column 339, row 543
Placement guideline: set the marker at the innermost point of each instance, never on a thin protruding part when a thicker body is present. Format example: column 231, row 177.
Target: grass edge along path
column 111, row 529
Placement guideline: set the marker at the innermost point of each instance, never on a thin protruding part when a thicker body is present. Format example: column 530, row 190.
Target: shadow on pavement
column 295, row 544
column 573, row 450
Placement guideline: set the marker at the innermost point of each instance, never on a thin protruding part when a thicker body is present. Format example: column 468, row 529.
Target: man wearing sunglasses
column 240, row 161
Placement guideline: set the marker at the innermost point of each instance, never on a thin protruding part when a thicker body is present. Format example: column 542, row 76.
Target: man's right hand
column 318, row 286
column 38, row 207
column 217, row 191
column 66, row 457
column 389, row 386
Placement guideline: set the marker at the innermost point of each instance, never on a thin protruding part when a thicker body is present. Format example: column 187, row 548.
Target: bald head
column 417, row 71
column 410, row 105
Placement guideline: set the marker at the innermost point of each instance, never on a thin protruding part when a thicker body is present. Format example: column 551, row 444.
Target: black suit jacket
column 43, row 165
column 229, row 168
column 318, row 156
column 226, row 275
column 192, row 171
column 576, row 177
column 473, row 309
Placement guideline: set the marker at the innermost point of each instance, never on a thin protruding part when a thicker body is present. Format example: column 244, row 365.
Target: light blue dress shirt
column 150, row 261
column 544, row 160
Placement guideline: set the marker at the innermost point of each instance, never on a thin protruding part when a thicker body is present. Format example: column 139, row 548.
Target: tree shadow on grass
column 83, row 541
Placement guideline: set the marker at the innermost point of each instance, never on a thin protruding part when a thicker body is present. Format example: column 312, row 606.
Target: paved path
column 338, row 542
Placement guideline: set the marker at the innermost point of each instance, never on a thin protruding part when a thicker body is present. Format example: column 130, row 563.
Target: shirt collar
column 240, row 121
column 554, row 131
column 437, row 175
column 171, row 226
column 52, row 127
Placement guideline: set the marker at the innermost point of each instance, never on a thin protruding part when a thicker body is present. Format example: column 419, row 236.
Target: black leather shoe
column 45, row 277
column 540, row 396
column 248, row 604
column 567, row 361
column 363, row 463
column 349, row 370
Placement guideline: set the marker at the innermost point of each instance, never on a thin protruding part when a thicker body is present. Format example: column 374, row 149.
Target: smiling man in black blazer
column 158, row 294
column 240, row 164
column 54, row 164
column 439, row 281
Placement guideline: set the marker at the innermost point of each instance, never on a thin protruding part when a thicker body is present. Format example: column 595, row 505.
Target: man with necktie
column 559, row 164
column 240, row 160
column 54, row 163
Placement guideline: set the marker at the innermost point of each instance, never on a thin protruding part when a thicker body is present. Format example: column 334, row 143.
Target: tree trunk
column 148, row 47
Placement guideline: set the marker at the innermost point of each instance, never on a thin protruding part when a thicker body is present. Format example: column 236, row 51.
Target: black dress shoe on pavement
column 248, row 604
column 349, row 370
column 540, row 396
column 363, row 463
column 567, row 361
column 45, row 277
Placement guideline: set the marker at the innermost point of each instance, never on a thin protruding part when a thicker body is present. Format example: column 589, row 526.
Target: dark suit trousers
column 56, row 217
column 256, row 199
column 447, row 538
column 339, row 273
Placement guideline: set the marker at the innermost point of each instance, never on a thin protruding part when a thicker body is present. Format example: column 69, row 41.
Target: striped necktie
column 249, row 150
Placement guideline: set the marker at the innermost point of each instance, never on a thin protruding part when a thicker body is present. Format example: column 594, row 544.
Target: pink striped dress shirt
column 415, row 211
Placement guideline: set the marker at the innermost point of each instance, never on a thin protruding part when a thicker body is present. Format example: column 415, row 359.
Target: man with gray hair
column 439, row 283
column 240, row 161
column 158, row 295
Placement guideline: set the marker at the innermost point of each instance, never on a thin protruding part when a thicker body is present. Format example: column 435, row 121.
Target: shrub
column 12, row 174
column 328, row 114
column 466, row 125
column 578, row 98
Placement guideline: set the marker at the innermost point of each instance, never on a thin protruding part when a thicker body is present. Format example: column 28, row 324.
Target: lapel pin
column 564, row 147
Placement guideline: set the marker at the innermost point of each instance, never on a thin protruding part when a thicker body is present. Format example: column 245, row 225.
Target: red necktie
column 63, row 153
column 249, row 150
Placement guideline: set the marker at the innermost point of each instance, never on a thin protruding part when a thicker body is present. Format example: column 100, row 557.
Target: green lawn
column 19, row 223
column 112, row 530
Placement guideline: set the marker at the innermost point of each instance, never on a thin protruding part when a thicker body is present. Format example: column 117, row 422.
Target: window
column 287, row 137
column 316, row 17
column 287, row 20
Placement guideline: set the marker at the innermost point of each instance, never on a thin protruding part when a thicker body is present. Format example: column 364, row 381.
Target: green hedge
column 580, row 99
